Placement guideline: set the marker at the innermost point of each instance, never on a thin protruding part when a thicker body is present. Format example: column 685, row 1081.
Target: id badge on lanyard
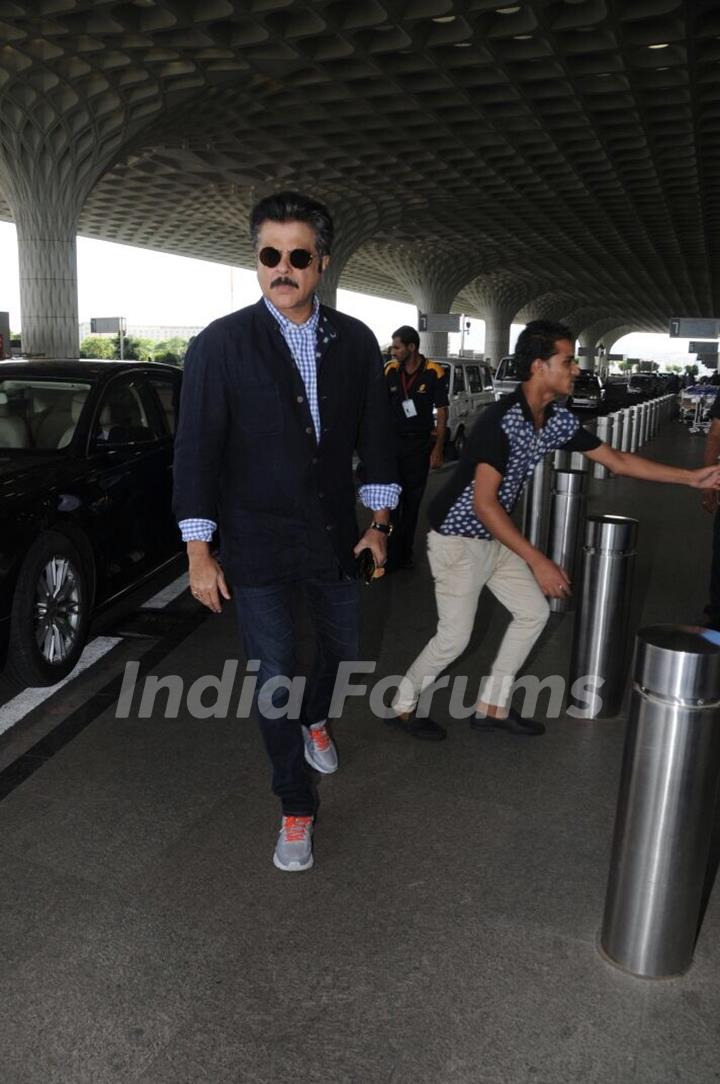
column 409, row 408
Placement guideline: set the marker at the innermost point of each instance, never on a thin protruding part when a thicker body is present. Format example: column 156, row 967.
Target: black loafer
column 514, row 724
column 424, row 729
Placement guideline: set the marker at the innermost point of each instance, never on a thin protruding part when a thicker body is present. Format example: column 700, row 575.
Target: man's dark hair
column 407, row 335
column 537, row 340
column 294, row 207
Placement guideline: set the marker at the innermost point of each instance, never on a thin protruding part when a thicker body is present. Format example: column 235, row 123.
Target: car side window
column 474, row 378
column 459, row 379
column 122, row 417
column 168, row 394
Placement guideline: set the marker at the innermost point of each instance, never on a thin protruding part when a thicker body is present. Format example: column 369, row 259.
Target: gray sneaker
column 320, row 751
column 293, row 850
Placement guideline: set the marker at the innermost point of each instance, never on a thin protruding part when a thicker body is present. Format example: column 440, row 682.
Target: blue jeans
column 267, row 625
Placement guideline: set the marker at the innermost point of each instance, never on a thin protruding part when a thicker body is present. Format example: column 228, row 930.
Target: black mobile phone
column 367, row 569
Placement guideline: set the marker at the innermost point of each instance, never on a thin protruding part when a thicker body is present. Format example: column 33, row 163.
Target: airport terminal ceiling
column 554, row 156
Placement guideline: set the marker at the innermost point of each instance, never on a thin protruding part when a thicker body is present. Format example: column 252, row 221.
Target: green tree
column 134, row 349
column 171, row 351
column 98, row 346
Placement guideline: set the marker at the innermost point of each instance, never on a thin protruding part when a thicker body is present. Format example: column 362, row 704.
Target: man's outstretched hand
column 705, row 478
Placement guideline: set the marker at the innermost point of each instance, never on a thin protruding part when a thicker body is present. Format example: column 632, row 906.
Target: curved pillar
column 355, row 224
column 47, row 254
column 433, row 282
column 497, row 334
column 586, row 360
column 497, row 296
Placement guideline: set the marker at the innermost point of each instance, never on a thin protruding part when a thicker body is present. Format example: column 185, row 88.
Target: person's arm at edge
column 647, row 470
column 711, row 454
column 198, row 449
column 551, row 578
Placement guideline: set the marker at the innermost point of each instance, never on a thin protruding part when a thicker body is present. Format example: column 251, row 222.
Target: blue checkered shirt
column 304, row 342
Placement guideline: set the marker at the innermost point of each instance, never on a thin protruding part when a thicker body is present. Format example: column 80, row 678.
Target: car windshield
column 587, row 381
column 39, row 414
column 508, row 370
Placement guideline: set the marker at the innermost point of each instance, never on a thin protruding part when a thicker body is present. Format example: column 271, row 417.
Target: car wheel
column 458, row 443
column 50, row 612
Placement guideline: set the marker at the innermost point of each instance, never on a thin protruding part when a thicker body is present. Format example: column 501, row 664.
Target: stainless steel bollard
column 566, row 510
column 601, row 629
column 618, row 427
column 642, row 412
column 634, row 428
column 569, row 460
column 667, row 798
column 604, row 431
column 627, row 429
column 536, row 504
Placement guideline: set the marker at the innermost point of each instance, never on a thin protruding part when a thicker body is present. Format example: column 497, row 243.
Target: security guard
column 416, row 387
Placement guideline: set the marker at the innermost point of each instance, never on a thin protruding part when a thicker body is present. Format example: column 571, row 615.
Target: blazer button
column 300, row 399
column 309, row 430
column 328, row 527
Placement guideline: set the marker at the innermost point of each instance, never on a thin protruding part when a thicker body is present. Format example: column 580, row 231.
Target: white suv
column 470, row 389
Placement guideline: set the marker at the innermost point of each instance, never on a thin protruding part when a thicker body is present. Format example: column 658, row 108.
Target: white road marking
column 162, row 598
column 28, row 699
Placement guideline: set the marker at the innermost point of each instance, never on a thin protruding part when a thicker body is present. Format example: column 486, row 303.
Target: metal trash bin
column 666, row 805
column 601, row 629
column 566, row 511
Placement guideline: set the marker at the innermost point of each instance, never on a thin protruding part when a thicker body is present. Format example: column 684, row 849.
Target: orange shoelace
column 296, row 828
column 321, row 739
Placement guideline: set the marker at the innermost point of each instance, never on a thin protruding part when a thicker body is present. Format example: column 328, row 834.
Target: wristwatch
column 385, row 528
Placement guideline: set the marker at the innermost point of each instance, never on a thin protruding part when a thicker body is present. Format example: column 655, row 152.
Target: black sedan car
column 85, row 498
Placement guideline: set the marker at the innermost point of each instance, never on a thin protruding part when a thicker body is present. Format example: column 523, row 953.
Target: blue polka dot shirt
column 505, row 437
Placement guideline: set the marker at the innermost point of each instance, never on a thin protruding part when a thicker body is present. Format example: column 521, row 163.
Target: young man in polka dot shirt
column 474, row 542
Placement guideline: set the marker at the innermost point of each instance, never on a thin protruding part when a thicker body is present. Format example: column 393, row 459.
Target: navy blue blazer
column 246, row 453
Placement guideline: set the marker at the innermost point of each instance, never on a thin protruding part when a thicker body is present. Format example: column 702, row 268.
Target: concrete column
column 433, row 282
column 588, row 343
column 497, row 333
column 355, row 224
column 497, row 296
column 48, row 279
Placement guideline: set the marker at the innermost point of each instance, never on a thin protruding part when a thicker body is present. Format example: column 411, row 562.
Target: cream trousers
column 461, row 568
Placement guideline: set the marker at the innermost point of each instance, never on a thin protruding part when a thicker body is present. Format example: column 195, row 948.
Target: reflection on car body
column 85, row 492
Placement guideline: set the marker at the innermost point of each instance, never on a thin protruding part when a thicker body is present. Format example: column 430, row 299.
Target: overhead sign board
column 440, row 321
column 616, row 357
column 107, row 325
column 702, row 347
column 688, row 327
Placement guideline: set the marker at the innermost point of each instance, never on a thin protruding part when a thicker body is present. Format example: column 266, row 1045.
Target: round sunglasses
column 299, row 258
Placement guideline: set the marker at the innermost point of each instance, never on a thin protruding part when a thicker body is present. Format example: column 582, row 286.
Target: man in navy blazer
column 276, row 399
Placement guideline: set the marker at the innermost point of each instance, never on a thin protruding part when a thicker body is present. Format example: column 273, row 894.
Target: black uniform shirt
column 427, row 388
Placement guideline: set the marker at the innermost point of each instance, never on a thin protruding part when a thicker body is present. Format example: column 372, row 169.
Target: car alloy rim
column 57, row 609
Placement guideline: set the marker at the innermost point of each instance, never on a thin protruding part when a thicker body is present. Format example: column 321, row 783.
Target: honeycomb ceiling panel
column 569, row 148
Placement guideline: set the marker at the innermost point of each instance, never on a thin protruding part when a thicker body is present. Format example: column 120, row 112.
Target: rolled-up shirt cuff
column 380, row 496
column 197, row 530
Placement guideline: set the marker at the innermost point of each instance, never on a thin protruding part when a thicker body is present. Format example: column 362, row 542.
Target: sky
column 157, row 288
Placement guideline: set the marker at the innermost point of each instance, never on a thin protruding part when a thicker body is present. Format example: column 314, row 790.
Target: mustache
column 283, row 280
